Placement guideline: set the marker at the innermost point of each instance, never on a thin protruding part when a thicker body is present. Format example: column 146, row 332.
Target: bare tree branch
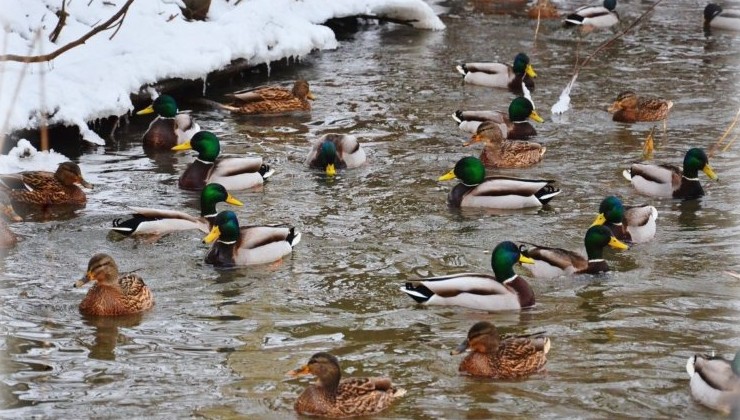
column 108, row 24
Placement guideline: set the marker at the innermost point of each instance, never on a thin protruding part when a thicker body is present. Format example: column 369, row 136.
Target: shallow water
column 218, row 343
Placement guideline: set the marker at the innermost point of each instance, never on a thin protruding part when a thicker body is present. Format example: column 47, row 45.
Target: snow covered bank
column 95, row 80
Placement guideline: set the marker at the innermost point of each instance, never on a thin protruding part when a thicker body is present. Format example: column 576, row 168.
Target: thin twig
column 62, row 15
column 730, row 143
column 537, row 28
column 717, row 144
column 108, row 24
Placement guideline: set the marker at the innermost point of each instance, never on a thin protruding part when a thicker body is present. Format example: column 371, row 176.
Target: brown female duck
column 501, row 153
column 332, row 397
column 271, row 100
column 113, row 295
column 630, row 108
column 508, row 358
column 44, row 189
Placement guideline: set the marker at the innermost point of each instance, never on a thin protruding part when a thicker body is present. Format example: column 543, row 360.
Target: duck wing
column 238, row 173
column 265, row 244
column 148, row 221
column 472, row 290
column 639, row 215
column 521, row 153
column 716, row 372
column 262, row 93
column 553, row 262
column 358, row 396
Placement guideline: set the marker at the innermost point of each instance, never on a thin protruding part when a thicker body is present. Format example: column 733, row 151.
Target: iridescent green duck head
column 165, row 106
column 521, row 65
column 611, row 210
column 327, row 157
column 213, row 194
column 503, row 258
column 469, row 170
column 598, row 237
column 225, row 228
column 205, row 143
column 520, row 109
column 694, row 161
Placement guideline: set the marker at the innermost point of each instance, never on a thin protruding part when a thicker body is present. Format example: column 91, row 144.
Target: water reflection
column 107, row 335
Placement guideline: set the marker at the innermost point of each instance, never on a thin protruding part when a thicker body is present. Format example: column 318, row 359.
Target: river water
column 217, row 343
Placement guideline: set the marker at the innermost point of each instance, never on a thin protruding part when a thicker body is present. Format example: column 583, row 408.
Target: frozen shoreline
column 96, row 80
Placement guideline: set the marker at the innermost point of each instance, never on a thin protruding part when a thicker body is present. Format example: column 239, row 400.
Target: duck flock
column 506, row 138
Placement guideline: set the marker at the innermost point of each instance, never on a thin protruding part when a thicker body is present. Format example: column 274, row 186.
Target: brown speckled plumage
column 331, row 396
column 7, row 237
column 271, row 100
column 630, row 108
column 42, row 188
column 501, row 153
column 113, row 294
column 502, row 358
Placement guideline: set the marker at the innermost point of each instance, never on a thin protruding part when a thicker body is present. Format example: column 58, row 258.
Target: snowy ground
column 155, row 42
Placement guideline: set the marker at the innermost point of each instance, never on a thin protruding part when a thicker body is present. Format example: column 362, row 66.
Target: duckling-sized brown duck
column 630, row 108
column 509, row 357
column 272, row 100
column 113, row 294
column 41, row 188
column 332, row 397
column 501, row 153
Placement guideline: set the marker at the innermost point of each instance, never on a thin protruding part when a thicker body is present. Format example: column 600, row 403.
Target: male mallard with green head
column 635, row 224
column 234, row 173
column 514, row 123
column 147, row 221
column 500, row 75
column 336, row 151
column 506, row 291
column 248, row 245
column 510, row 357
column 669, row 181
column 555, row 262
column 170, row 128
column 496, row 192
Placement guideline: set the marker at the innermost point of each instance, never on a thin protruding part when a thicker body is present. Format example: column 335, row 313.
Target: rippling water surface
column 217, row 344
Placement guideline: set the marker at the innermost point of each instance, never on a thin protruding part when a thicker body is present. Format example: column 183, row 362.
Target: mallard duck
column 630, row 108
column 272, row 100
column 6, row 208
column 635, row 224
column 670, row 181
column 112, row 294
column 41, row 188
column 495, row 192
column 602, row 16
column 556, row 262
column 501, row 75
column 336, row 151
column 514, row 126
column 504, row 292
column 170, row 128
column 500, row 153
column 717, row 18
column 512, row 357
column 234, row 173
column 332, row 396
column 715, row 382
column 148, row 221
column 248, row 245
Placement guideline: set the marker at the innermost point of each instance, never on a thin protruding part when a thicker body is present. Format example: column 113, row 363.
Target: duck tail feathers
column 690, row 366
column 294, row 237
column 573, row 19
column 216, row 105
column 399, row 392
column 547, row 193
column 457, row 116
column 266, row 171
column 418, row 292
column 127, row 227
column 627, row 174
column 462, row 69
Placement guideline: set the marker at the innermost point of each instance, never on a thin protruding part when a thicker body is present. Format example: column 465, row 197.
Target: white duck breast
column 185, row 127
column 238, row 173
